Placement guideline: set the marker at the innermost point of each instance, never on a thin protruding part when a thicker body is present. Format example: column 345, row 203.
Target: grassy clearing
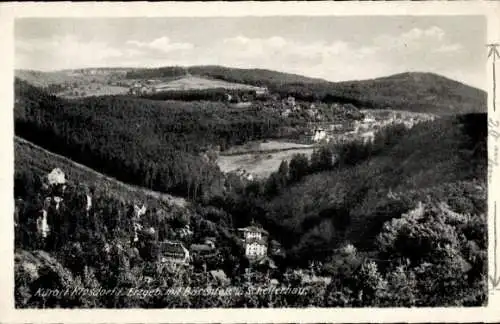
column 197, row 83
column 259, row 164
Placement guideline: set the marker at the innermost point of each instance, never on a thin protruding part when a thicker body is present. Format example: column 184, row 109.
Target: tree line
column 150, row 143
column 216, row 94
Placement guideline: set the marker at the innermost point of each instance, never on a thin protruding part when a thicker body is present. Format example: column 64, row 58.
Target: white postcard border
column 10, row 11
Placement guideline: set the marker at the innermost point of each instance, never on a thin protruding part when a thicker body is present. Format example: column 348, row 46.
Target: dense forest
column 151, row 143
column 257, row 77
column 400, row 221
column 217, row 94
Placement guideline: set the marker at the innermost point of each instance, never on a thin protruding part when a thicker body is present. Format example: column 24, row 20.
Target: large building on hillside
column 319, row 134
column 256, row 248
column 255, row 241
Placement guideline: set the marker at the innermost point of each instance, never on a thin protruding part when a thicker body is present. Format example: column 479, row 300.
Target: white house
column 244, row 174
column 256, row 248
column 409, row 123
column 252, row 232
column 319, row 135
column 261, row 91
column 173, row 252
column 369, row 119
column 255, row 240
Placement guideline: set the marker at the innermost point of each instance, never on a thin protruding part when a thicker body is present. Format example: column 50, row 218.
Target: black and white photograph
column 328, row 161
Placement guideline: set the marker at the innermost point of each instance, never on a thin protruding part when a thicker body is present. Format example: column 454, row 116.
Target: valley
column 260, row 159
column 252, row 178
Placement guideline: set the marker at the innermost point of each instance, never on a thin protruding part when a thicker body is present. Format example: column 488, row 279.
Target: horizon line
column 249, row 68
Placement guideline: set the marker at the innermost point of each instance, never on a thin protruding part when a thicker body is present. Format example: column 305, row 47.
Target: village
column 348, row 124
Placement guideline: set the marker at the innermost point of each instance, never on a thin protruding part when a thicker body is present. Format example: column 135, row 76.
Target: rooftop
column 220, row 275
column 200, row 247
column 171, row 247
column 254, row 229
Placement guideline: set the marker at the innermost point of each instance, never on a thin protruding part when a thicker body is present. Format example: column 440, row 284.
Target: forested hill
column 412, row 91
column 33, row 159
column 155, row 144
column 256, row 77
column 426, row 92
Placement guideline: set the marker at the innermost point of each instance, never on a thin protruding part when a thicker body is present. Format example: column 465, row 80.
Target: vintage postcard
column 250, row 162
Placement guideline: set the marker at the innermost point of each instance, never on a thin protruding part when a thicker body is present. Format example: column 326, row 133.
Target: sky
column 335, row 48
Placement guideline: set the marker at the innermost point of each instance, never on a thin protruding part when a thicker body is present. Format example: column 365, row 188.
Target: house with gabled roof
column 252, row 231
column 319, row 135
column 200, row 248
column 256, row 248
column 255, row 241
column 173, row 252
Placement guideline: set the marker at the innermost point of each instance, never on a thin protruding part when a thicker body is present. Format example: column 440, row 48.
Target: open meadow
column 260, row 164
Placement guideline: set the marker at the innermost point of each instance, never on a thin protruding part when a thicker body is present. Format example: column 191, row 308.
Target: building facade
column 256, row 248
column 319, row 135
column 255, row 241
